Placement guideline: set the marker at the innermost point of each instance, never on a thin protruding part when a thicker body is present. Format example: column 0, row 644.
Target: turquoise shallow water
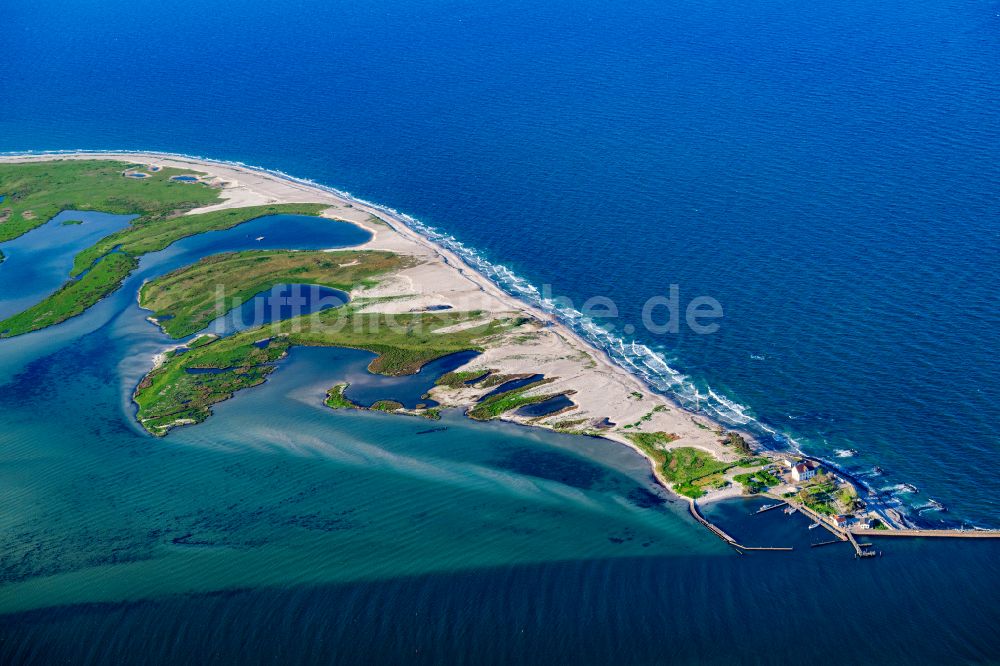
column 281, row 531
column 37, row 263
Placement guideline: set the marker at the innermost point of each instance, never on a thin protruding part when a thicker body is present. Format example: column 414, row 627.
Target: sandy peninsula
column 603, row 392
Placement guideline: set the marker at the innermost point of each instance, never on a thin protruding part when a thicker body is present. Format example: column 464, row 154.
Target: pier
column 718, row 531
column 842, row 534
column 825, row 543
column 859, row 548
column 770, row 506
column 941, row 534
column 836, row 531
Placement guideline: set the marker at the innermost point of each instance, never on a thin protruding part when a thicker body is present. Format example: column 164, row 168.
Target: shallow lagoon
column 282, row 301
column 366, row 388
column 38, row 262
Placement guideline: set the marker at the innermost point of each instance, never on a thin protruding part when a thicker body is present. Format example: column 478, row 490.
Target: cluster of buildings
column 800, row 470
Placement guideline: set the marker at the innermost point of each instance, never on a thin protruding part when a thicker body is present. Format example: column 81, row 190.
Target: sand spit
column 600, row 389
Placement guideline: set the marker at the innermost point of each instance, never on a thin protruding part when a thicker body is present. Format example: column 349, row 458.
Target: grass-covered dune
column 35, row 192
column 184, row 301
column 171, row 395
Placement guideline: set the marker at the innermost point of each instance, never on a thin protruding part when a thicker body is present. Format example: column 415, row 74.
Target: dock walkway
column 770, row 506
column 946, row 534
column 693, row 507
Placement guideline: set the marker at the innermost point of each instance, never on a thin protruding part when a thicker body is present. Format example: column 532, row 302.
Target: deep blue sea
column 827, row 172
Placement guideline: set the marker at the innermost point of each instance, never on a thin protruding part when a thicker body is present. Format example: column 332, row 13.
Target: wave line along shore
column 604, row 384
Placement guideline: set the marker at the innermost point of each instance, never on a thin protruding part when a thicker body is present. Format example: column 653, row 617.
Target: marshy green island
column 408, row 302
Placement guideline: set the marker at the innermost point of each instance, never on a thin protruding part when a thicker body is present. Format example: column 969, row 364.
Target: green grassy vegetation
column 645, row 418
column 502, row 403
column 73, row 297
column 170, row 396
column 335, row 398
column 755, row 482
column 403, row 342
column 636, row 395
column 37, row 191
column 184, row 301
column 648, row 441
column 819, row 495
column 689, row 470
column 710, row 482
column 130, row 243
column 848, row 499
column 458, row 379
column 753, row 461
column 201, row 340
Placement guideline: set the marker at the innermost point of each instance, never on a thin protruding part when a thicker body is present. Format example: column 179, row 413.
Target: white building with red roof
column 804, row 470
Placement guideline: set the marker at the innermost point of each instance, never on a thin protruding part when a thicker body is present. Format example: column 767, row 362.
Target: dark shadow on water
column 283, row 301
column 588, row 611
column 408, row 390
column 511, row 385
column 327, row 366
column 553, row 466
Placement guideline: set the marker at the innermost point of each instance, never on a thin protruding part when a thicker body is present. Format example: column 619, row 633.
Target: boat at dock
column 768, row 507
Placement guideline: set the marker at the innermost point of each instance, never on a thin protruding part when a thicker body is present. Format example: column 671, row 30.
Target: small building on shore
column 803, row 471
column 842, row 520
